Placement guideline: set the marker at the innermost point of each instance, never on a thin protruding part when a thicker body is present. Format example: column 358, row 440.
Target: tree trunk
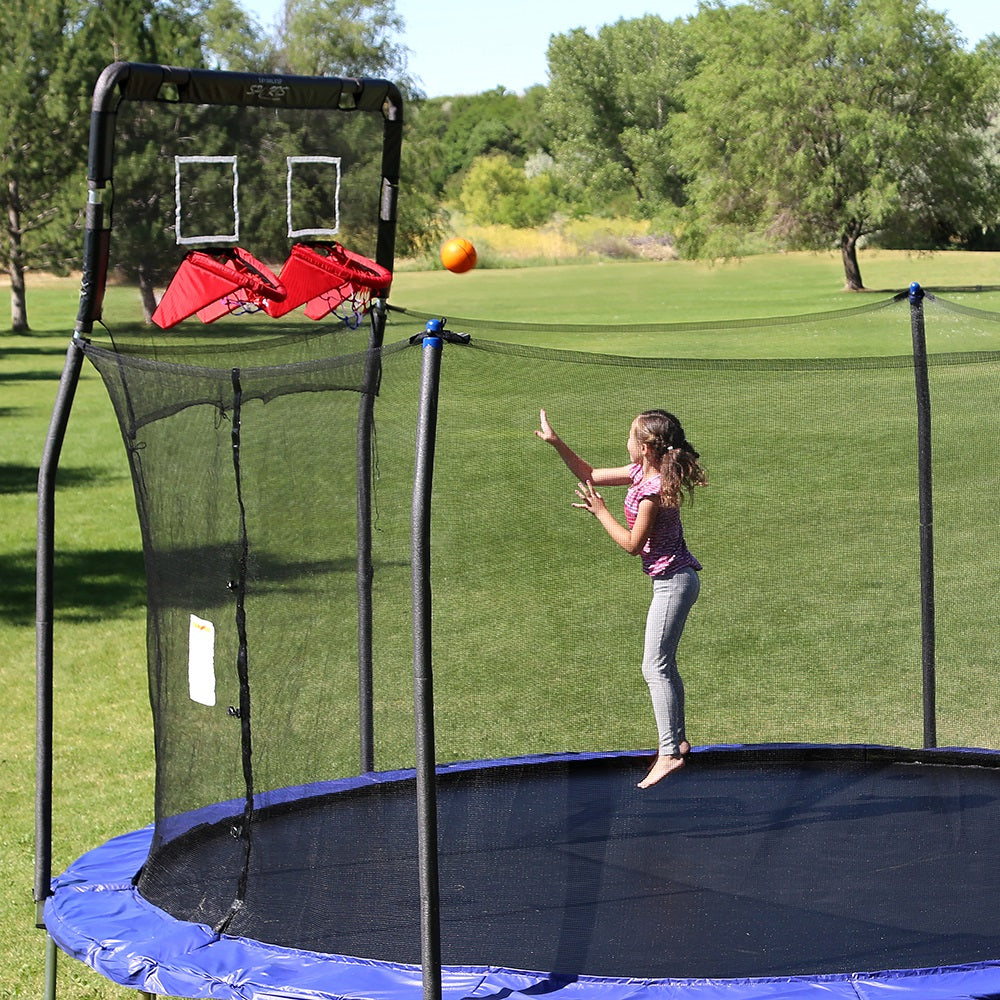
column 147, row 295
column 849, row 254
column 18, row 304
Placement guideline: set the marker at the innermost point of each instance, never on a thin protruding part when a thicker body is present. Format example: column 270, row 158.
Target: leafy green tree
column 497, row 191
column 984, row 234
column 42, row 119
column 817, row 122
column 56, row 50
column 459, row 129
column 341, row 38
column 609, row 103
column 171, row 32
column 232, row 39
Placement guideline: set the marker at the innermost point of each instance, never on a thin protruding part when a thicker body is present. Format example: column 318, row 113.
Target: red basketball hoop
column 325, row 276
column 213, row 283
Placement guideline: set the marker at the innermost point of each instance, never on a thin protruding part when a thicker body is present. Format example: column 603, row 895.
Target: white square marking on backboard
column 232, row 237
column 333, row 161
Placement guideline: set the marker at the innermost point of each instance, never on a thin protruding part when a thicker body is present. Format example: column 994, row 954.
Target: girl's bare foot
column 684, row 748
column 662, row 766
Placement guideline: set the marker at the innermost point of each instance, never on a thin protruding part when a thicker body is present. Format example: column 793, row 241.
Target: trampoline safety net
column 808, row 628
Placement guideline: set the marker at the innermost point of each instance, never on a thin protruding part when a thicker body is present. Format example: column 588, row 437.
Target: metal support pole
column 44, row 613
column 423, row 691
column 366, row 424
column 925, row 486
column 51, row 954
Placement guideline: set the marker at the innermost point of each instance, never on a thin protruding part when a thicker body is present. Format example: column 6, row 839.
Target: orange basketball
column 458, row 255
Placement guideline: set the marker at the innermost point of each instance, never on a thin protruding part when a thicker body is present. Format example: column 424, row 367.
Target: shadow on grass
column 24, row 478
column 33, row 352
column 205, row 577
column 40, row 376
column 92, row 584
column 89, row 586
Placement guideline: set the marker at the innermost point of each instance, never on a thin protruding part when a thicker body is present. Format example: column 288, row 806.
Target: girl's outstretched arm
column 580, row 468
column 632, row 540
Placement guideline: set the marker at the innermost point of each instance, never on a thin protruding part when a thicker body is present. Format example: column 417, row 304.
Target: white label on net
column 201, row 661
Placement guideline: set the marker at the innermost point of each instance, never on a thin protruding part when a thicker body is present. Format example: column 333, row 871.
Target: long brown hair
column 680, row 471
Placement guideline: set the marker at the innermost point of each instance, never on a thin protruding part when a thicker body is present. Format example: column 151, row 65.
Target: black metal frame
column 124, row 81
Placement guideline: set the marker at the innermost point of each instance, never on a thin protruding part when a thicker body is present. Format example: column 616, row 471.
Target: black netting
column 808, row 628
column 811, row 570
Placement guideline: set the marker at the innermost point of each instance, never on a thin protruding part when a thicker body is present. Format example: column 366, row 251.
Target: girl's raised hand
column 545, row 431
column 592, row 500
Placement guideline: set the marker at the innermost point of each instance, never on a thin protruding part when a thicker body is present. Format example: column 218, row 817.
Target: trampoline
column 762, row 871
column 330, row 823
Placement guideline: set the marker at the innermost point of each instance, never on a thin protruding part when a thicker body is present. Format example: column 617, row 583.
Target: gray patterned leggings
column 673, row 597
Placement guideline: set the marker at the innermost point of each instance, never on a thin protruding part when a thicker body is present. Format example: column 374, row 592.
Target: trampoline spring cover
column 709, row 816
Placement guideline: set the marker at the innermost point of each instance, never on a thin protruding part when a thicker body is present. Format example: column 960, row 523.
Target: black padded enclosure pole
column 392, row 142
column 366, row 426
column 97, row 220
column 423, row 689
column 44, row 605
column 385, row 250
column 925, row 481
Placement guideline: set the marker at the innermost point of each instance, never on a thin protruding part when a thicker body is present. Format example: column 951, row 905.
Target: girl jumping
column 663, row 468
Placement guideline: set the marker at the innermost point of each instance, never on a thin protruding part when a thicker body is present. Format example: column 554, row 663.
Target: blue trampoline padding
column 97, row 916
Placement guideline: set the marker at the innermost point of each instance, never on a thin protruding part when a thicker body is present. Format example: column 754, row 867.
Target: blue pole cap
column 434, row 326
column 916, row 292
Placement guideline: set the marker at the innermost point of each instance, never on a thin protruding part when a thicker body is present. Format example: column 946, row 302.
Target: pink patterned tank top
column 665, row 552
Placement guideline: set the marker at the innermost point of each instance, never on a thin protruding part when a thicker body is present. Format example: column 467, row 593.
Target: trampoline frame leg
column 51, row 953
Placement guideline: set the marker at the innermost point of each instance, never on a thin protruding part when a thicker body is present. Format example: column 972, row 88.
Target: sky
column 472, row 46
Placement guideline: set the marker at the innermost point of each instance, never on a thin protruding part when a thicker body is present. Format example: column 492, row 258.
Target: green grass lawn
column 811, row 467
column 685, row 292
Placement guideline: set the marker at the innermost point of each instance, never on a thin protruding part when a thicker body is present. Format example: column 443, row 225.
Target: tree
column 55, row 51
column 41, row 119
column 465, row 127
column 816, row 122
column 167, row 31
column 497, row 191
column 985, row 233
column 609, row 102
column 232, row 39
column 341, row 38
